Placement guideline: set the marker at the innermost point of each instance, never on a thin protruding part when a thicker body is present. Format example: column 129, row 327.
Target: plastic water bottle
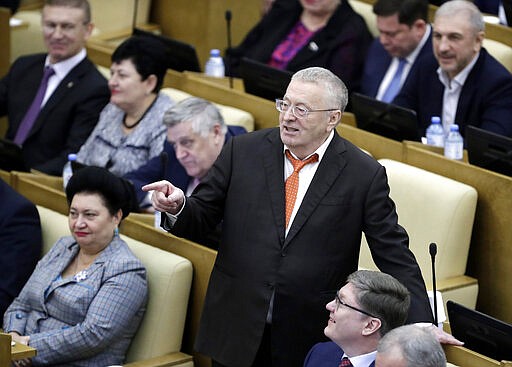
column 215, row 65
column 435, row 133
column 67, row 171
column 454, row 144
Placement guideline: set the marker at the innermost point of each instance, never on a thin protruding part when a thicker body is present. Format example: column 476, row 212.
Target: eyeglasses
column 297, row 111
column 340, row 302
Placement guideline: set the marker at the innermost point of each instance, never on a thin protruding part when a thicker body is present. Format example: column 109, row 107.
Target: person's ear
column 479, row 40
column 334, row 119
column 151, row 83
column 118, row 216
column 372, row 326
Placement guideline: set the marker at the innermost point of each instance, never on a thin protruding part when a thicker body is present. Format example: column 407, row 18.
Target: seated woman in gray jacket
column 85, row 299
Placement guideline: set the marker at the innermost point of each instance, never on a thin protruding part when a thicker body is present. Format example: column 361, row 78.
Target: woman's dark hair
column 147, row 54
column 116, row 192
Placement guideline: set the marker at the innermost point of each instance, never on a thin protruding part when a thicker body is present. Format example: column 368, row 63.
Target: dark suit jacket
column 66, row 119
column 342, row 43
column 20, row 243
column 245, row 189
column 326, row 354
column 377, row 64
column 485, row 100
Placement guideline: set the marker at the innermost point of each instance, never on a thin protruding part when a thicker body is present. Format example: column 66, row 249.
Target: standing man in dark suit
column 404, row 37
column 465, row 85
column 20, row 243
column 280, row 261
column 362, row 312
column 53, row 116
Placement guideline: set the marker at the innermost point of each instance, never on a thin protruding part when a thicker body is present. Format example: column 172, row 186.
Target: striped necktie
column 394, row 85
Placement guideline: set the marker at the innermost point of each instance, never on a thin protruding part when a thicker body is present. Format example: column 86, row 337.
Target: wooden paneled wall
column 202, row 23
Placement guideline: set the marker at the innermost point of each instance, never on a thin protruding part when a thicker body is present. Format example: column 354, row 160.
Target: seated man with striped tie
column 53, row 100
column 196, row 133
column 369, row 305
column 404, row 37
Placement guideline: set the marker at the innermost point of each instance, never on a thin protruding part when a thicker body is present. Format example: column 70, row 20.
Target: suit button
column 19, row 316
column 283, row 254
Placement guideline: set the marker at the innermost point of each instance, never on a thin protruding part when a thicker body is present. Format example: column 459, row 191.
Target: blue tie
column 394, row 85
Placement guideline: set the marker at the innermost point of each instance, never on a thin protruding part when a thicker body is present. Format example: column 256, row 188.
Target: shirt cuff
column 172, row 218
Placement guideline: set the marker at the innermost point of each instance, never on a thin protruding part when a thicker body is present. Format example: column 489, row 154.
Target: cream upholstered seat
column 169, row 279
column 500, row 51
column 231, row 115
column 433, row 208
column 366, row 11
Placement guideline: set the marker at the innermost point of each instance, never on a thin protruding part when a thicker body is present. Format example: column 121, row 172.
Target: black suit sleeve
column 20, row 243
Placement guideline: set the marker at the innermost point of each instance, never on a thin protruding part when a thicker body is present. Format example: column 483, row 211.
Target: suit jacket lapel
column 273, row 164
column 329, row 169
column 67, row 84
column 468, row 91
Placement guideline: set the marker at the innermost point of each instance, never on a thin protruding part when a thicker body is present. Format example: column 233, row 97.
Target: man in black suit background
column 20, row 243
column 74, row 95
column 287, row 246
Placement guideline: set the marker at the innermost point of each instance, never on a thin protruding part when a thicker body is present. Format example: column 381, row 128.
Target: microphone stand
column 228, row 58
column 433, row 252
column 135, row 9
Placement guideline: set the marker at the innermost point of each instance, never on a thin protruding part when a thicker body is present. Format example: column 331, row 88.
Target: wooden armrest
column 464, row 357
column 171, row 359
column 447, row 284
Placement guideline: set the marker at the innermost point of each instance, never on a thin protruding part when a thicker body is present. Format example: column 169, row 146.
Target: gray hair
column 201, row 113
column 80, row 4
column 382, row 296
column 474, row 15
column 337, row 92
column 417, row 345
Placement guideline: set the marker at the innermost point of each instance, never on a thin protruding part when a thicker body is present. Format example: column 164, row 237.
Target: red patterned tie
column 292, row 182
column 345, row 362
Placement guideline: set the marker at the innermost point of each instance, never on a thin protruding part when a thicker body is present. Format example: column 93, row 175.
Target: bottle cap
column 435, row 120
column 454, row 127
column 71, row 157
column 215, row 52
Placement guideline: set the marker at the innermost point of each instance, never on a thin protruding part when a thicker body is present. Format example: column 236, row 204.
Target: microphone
column 135, row 9
column 433, row 252
column 164, row 158
column 227, row 16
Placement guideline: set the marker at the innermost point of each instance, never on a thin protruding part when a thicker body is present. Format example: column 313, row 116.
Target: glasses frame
column 293, row 107
column 340, row 302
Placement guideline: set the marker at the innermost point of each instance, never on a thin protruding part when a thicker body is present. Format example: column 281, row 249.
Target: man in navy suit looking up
column 365, row 309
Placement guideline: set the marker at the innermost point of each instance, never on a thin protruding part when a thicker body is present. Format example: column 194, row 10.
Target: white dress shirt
column 452, row 90
column 61, row 70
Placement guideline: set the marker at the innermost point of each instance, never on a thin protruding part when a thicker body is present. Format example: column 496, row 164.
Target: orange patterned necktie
column 345, row 362
column 291, row 185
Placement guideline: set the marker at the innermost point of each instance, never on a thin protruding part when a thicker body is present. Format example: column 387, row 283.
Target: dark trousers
column 264, row 354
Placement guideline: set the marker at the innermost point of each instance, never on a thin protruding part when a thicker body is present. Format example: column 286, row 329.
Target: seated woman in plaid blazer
column 86, row 297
